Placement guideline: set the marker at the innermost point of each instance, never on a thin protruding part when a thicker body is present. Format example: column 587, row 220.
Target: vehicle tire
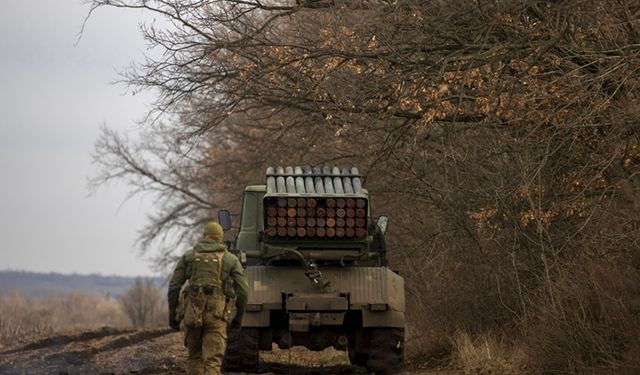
column 243, row 352
column 386, row 352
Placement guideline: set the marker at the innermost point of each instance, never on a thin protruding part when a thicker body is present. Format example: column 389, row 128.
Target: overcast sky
column 54, row 97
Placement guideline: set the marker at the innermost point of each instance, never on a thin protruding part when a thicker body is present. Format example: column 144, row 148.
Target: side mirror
column 224, row 218
column 383, row 221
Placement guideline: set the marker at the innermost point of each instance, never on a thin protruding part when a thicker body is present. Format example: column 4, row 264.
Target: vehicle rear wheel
column 386, row 350
column 243, row 352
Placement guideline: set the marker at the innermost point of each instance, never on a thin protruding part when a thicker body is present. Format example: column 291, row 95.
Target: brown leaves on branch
column 501, row 137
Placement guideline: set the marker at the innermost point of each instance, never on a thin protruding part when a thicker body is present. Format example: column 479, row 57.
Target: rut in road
column 68, row 338
column 156, row 351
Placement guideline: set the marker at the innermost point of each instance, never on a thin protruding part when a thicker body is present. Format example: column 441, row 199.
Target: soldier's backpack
column 205, row 295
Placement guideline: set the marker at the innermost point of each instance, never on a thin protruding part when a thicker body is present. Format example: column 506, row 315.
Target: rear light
column 378, row 307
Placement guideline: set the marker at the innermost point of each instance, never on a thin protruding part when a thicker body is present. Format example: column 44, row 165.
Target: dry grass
column 300, row 356
column 486, row 354
column 586, row 321
column 24, row 318
column 580, row 317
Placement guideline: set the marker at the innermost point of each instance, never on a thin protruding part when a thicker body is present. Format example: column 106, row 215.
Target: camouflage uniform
column 206, row 341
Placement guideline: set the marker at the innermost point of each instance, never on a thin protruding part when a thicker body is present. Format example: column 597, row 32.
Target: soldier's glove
column 172, row 321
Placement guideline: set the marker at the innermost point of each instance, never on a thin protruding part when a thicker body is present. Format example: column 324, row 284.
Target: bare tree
column 143, row 303
column 500, row 136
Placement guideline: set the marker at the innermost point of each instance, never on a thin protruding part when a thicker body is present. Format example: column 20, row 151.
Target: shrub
column 487, row 354
column 144, row 304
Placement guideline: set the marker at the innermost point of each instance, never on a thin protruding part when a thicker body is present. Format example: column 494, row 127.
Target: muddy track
column 95, row 352
column 65, row 339
column 111, row 351
column 155, row 351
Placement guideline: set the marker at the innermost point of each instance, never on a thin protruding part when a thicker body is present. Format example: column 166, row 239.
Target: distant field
column 32, row 284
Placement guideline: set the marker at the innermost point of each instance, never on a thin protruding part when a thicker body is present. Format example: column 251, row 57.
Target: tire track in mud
column 147, row 352
column 78, row 357
column 75, row 353
column 111, row 351
column 66, row 339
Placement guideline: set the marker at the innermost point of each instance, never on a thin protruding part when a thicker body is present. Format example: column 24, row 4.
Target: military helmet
column 213, row 231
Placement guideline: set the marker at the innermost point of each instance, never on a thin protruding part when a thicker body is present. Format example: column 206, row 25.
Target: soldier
column 206, row 303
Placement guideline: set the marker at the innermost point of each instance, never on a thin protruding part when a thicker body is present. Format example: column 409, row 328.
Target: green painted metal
column 353, row 279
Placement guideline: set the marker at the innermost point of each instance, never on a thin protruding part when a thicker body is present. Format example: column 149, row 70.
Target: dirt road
column 160, row 351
